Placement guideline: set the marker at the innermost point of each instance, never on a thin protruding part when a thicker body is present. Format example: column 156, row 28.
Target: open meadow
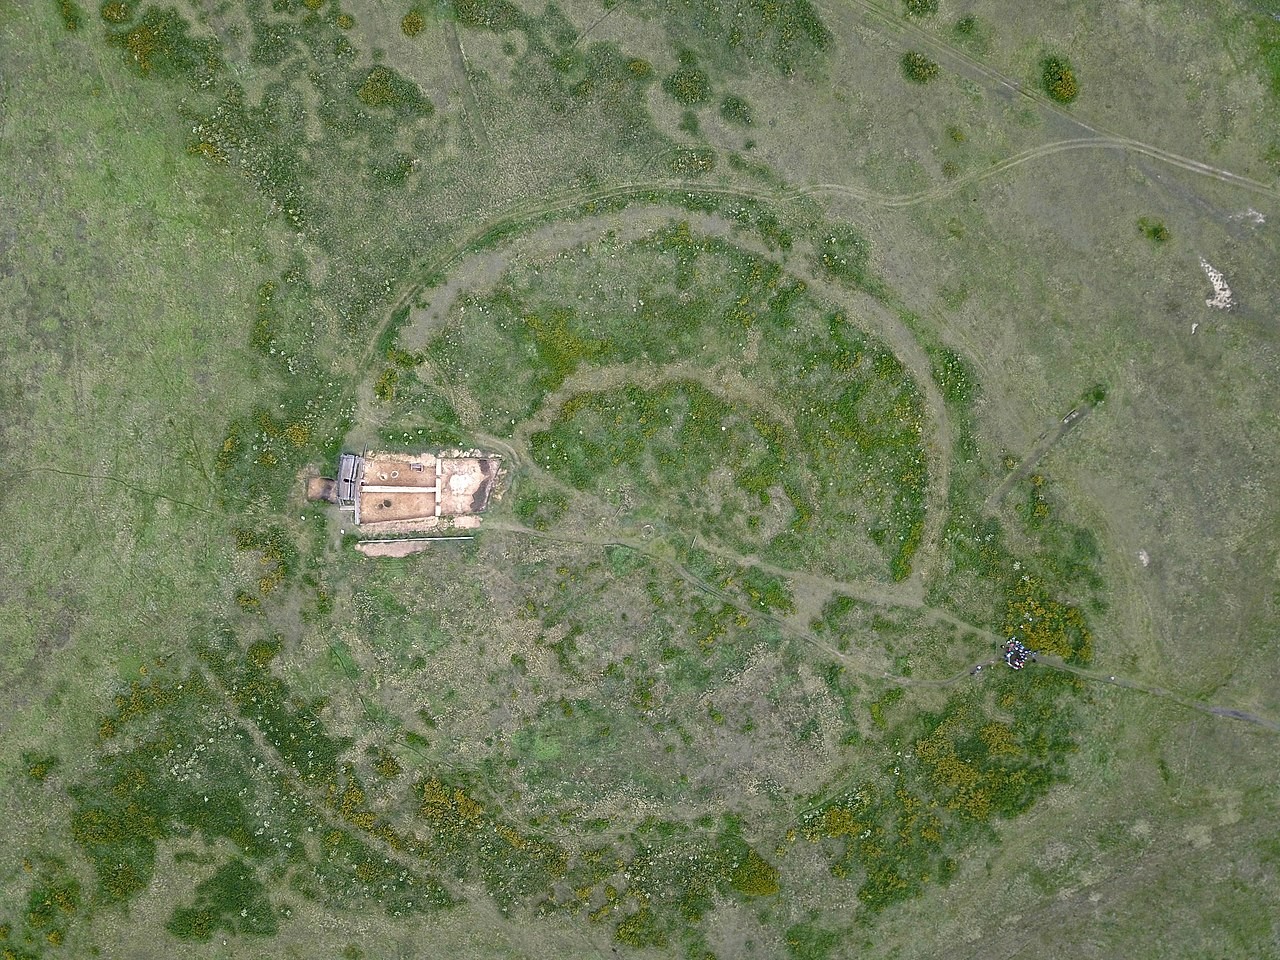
column 826, row 347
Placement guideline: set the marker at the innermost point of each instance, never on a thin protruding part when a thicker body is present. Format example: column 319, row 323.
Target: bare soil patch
column 392, row 548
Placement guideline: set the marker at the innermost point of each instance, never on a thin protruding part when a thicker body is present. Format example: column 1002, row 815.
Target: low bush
column 1059, row 80
column 918, row 68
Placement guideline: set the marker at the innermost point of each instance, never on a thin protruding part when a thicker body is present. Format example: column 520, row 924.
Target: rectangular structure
column 350, row 474
column 410, row 489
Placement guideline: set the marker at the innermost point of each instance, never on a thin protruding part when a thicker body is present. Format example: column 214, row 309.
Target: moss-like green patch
column 233, row 901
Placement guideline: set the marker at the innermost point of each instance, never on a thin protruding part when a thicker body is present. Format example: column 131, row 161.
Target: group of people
column 1016, row 654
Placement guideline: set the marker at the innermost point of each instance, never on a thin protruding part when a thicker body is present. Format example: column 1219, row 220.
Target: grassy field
column 827, row 346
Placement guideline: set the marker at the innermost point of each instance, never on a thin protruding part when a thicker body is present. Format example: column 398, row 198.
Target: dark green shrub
column 918, row 68
column 754, row 876
column 693, row 161
column 955, row 376
column 385, row 386
column 116, row 11
column 1059, row 80
column 688, row 85
column 540, row 508
column 807, row 941
column 412, row 23
column 160, row 44
column 1269, row 48
column 734, row 109
column 1155, row 230
column 51, row 904
column 383, row 87
column 973, row 33
column 920, row 8
column 640, row 930
column 843, row 255
column 232, row 900
column 496, row 15
column 72, row 15
column 39, row 765
column 786, row 34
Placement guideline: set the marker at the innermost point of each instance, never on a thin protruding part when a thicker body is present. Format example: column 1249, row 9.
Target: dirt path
column 475, row 122
column 889, row 23
column 903, row 343
column 480, row 272
column 1044, row 443
column 1181, row 700
column 882, row 595
column 885, row 595
column 485, row 268
column 571, row 201
column 719, row 379
column 938, row 439
column 320, row 803
column 903, row 200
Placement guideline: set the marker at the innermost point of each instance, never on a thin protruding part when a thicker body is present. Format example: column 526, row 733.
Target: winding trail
column 884, row 595
column 719, row 379
column 475, row 121
column 786, row 625
column 900, row 596
column 900, row 201
column 909, row 595
column 937, row 440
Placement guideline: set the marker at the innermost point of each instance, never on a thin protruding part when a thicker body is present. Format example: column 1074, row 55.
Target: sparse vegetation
column 701, row 680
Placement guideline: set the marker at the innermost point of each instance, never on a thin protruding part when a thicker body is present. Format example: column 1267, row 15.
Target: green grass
column 688, row 85
column 736, row 110
column 232, row 901
column 787, row 37
column 599, row 731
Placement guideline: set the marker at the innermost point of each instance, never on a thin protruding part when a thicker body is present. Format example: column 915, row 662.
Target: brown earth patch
column 392, row 548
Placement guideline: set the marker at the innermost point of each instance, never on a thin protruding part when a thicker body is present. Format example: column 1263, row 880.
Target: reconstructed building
column 403, row 489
